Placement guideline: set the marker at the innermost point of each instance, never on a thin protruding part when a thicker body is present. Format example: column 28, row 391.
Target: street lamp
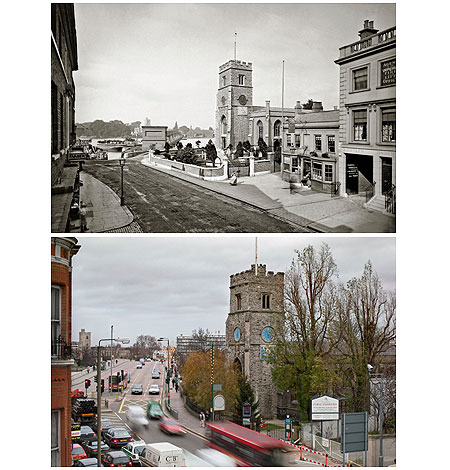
column 122, row 164
column 380, row 410
column 167, row 379
column 99, row 395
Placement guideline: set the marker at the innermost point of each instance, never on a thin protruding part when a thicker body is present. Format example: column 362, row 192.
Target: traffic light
column 87, row 383
column 95, row 378
column 102, row 386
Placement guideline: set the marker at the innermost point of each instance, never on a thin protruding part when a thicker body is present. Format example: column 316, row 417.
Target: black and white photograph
column 223, row 118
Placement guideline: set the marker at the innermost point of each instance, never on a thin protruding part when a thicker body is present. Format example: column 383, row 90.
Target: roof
column 319, row 116
column 163, row 447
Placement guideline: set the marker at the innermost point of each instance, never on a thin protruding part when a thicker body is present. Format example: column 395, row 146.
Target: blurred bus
column 249, row 448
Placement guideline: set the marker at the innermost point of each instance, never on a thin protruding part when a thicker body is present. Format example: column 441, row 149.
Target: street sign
column 217, row 387
column 246, row 410
column 324, row 408
column 219, row 403
column 355, row 436
column 246, row 421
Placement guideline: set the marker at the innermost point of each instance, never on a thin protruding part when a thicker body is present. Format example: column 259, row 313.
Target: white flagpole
column 282, row 121
column 256, row 255
column 235, row 37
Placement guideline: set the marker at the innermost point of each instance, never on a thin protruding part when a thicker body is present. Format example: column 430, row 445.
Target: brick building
column 367, row 105
column 256, row 305
column 64, row 61
column 62, row 252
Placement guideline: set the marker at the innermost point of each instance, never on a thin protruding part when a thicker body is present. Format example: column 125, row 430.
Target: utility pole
column 380, row 419
column 212, row 382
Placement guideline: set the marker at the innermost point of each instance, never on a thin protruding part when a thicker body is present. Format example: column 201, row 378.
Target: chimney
column 368, row 29
column 298, row 108
column 267, row 106
column 317, row 106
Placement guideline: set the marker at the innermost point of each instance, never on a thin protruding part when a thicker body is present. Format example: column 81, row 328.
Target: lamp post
column 167, row 377
column 122, row 164
column 99, row 395
column 380, row 410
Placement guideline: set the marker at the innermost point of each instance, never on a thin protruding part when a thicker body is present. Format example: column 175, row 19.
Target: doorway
column 386, row 174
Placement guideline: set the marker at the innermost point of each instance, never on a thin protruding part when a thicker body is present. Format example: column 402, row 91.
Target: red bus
column 249, row 448
column 119, row 383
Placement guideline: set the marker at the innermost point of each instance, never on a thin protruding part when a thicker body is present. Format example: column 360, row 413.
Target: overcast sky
column 161, row 61
column 166, row 286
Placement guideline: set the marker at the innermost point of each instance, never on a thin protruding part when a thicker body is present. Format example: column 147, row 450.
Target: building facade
column 154, row 137
column 62, row 252
column 367, row 104
column 256, row 307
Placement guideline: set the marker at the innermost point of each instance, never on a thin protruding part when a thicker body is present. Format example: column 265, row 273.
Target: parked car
column 136, row 416
column 116, row 458
column 137, row 389
column 170, row 426
column 91, row 448
column 133, row 449
column 78, row 452
column 154, row 389
column 154, row 410
column 117, row 437
column 87, row 434
column 89, row 462
column 105, row 425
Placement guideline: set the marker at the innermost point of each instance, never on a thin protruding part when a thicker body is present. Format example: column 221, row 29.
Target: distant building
column 367, row 104
column 84, row 340
column 154, row 137
column 62, row 252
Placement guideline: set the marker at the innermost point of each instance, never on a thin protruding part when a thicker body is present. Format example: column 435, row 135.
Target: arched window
column 277, row 129
column 260, row 130
column 223, row 125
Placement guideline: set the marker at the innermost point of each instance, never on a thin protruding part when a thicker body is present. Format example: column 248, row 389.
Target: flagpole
column 282, row 121
column 256, row 255
column 235, row 36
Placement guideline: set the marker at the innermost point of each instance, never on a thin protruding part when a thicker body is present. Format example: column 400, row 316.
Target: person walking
column 202, row 419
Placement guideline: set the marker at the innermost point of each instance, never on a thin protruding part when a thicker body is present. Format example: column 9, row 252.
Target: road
column 162, row 203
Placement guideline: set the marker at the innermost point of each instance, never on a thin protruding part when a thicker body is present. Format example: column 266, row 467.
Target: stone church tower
column 234, row 102
column 256, row 305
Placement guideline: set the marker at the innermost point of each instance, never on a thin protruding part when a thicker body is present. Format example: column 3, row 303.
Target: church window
column 276, row 129
column 238, row 302
column 224, row 80
column 266, row 301
column 241, row 79
column 260, row 130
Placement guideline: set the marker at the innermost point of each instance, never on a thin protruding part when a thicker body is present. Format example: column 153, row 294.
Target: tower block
column 256, row 307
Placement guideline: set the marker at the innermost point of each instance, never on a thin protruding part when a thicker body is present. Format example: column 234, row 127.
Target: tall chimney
column 368, row 29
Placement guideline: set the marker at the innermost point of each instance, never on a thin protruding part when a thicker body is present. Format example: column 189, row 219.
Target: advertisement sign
column 324, row 408
column 246, row 410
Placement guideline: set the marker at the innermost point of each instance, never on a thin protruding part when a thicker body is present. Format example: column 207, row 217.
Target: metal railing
column 60, row 350
column 390, row 200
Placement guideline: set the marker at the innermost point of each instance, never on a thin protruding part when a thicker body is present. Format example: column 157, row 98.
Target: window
column 289, row 139
column 388, row 125
column 55, row 439
column 387, row 72
column 266, row 301
column 238, row 302
column 297, row 140
column 295, row 164
column 360, row 79
column 54, row 118
column 360, row 125
column 328, row 172
column 241, row 79
column 318, row 142
column 260, row 130
column 276, row 129
column 223, row 125
column 56, row 313
column 317, row 171
column 224, row 80
column 331, row 144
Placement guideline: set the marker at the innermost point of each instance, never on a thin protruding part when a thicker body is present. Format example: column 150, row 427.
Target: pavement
column 315, row 211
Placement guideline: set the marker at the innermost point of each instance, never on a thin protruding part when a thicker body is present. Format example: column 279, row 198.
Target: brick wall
column 60, row 400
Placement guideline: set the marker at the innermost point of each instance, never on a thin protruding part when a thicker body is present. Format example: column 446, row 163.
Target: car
column 170, row 426
column 89, row 462
column 154, row 410
column 91, row 448
column 105, row 425
column 137, row 389
column 156, row 374
column 78, row 452
column 117, row 437
column 133, row 449
column 139, row 366
column 154, row 389
column 116, row 458
column 87, row 434
column 136, row 416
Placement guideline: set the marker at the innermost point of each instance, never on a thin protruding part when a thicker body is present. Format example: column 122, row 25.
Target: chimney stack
column 317, row 106
column 368, row 29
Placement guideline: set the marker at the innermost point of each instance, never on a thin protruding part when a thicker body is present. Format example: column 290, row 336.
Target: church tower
column 256, row 305
column 234, row 101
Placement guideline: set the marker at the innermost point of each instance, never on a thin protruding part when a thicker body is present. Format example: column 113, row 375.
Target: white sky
column 161, row 60
column 166, row 286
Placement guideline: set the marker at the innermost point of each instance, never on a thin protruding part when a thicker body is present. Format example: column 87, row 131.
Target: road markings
column 194, row 434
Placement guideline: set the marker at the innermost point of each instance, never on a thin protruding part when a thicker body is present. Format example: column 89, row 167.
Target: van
column 162, row 454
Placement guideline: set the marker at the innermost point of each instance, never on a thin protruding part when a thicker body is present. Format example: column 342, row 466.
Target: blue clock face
column 237, row 334
column 267, row 334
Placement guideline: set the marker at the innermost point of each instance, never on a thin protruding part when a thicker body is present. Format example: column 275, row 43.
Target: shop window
column 331, row 144
column 328, row 172
column 388, row 125
column 295, row 165
column 318, row 142
column 387, row 72
column 317, row 171
column 360, row 125
column 360, row 79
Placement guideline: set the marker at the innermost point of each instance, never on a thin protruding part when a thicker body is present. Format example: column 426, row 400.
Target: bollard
column 326, row 460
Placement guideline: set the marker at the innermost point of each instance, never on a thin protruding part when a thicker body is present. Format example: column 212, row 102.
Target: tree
column 144, row 346
column 246, row 395
column 308, row 104
column 367, row 328
column 196, row 374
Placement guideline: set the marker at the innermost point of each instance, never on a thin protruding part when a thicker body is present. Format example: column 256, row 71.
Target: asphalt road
column 161, row 203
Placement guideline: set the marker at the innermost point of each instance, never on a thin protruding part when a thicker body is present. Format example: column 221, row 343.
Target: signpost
column 355, row 434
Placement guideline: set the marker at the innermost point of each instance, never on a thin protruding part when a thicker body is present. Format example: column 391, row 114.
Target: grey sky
column 161, row 60
column 165, row 286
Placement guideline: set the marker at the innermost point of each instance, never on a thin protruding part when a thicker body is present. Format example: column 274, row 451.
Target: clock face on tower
column 242, row 100
column 267, row 334
column 237, row 334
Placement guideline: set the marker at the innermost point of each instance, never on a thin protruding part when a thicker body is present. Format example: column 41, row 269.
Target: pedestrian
column 176, row 387
column 173, row 382
column 202, row 419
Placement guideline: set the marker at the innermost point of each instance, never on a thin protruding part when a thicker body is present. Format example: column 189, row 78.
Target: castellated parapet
column 235, row 64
